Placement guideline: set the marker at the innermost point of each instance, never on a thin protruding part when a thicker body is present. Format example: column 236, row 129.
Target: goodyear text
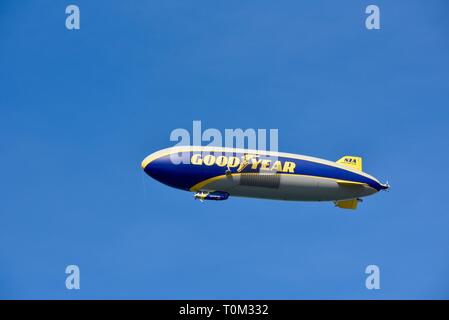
column 251, row 161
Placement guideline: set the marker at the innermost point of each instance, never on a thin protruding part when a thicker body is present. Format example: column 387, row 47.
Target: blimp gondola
column 215, row 173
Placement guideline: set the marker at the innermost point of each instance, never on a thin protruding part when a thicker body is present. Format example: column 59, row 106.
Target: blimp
column 218, row 173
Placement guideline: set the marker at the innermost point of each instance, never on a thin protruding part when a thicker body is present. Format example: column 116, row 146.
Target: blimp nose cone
column 150, row 168
column 161, row 169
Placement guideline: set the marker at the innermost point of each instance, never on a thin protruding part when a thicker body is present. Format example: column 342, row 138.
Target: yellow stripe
column 351, row 183
column 203, row 183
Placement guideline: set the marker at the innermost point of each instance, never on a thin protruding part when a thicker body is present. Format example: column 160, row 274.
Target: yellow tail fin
column 353, row 162
column 347, row 204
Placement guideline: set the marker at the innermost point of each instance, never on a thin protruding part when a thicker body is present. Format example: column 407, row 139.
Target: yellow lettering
column 255, row 163
column 277, row 166
column 196, row 159
column 209, row 160
column 265, row 164
column 233, row 162
column 221, row 161
column 289, row 167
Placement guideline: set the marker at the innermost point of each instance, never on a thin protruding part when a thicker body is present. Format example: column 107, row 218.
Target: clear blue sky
column 79, row 110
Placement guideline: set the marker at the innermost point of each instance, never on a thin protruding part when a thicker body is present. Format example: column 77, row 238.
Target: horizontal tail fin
column 347, row 204
column 353, row 162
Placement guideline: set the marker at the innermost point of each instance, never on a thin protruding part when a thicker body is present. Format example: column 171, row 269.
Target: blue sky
column 79, row 110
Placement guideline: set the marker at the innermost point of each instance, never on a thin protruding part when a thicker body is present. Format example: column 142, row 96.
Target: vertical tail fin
column 351, row 161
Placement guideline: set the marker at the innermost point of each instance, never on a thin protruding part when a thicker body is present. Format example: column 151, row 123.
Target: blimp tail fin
column 347, row 204
column 351, row 161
